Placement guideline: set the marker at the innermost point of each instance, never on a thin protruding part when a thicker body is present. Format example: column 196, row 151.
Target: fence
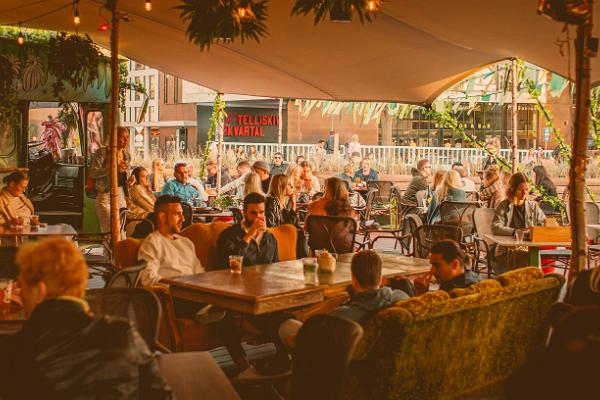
column 386, row 155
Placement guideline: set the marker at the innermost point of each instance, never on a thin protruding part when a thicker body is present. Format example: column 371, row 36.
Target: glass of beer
column 34, row 220
column 235, row 264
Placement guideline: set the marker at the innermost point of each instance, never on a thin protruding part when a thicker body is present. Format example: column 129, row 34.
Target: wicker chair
column 427, row 235
column 127, row 277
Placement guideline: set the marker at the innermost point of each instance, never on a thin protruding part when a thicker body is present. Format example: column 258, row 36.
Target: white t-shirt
column 166, row 258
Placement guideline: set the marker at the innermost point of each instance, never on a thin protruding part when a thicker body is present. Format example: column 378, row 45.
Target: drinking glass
column 309, row 266
column 6, row 286
column 520, row 235
column 235, row 264
column 34, row 220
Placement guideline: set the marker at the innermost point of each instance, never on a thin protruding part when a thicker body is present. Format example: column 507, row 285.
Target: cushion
column 286, row 236
column 205, row 238
column 126, row 252
column 519, row 276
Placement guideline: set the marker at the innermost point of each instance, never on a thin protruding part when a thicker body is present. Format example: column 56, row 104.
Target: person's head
column 158, row 166
column 252, row 184
column 122, row 137
column 254, row 207
column 349, row 169
column 281, row 188
column 190, row 168
column 181, row 172
column 243, row 167
column 447, row 260
column 365, row 165
column 424, row 168
column 278, row 159
column 294, row 172
column 541, row 176
column 451, row 181
column 337, row 197
column 331, row 133
column 518, row 188
column 370, row 156
column 299, row 159
column 141, row 176
column 366, row 268
column 48, row 269
column 211, row 167
column 240, row 150
column 354, row 139
column 491, row 175
column 262, row 169
column 16, row 183
column 438, row 177
column 462, row 171
column 252, row 150
column 169, row 214
column 306, row 169
column 321, row 144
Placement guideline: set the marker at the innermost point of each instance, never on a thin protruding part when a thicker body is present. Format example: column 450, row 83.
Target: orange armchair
column 205, row 238
column 286, row 236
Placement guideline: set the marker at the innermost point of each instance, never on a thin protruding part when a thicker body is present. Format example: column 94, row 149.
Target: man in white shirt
column 310, row 183
column 243, row 169
column 166, row 253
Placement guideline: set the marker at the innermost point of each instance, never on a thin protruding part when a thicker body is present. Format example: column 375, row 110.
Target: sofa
column 453, row 345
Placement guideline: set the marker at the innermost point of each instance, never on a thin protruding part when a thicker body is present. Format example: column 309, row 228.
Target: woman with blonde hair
column 294, row 173
column 449, row 190
column 493, row 190
column 252, row 184
column 280, row 204
column 335, row 201
column 438, row 178
column 157, row 176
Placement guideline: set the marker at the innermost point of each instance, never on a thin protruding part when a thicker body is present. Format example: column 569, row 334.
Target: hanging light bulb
column 104, row 26
column 372, row 5
column 76, row 18
column 148, row 5
column 20, row 38
column 245, row 12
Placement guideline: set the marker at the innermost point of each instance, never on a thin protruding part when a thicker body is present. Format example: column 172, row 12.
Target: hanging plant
column 210, row 21
column 337, row 10
column 72, row 59
column 216, row 119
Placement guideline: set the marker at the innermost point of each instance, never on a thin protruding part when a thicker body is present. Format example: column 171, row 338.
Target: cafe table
column 280, row 286
column 39, row 231
column 534, row 247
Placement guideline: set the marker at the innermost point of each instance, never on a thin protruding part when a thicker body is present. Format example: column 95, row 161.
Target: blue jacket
column 185, row 192
column 364, row 303
column 373, row 176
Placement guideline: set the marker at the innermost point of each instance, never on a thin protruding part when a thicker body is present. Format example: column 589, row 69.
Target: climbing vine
column 217, row 118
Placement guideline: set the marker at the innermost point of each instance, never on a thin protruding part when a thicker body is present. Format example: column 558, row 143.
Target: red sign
column 248, row 124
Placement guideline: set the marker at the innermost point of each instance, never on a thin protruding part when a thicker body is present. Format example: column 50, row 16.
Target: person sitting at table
column 237, row 185
column 262, row 169
column 179, row 185
column 249, row 238
column 252, row 184
column 467, row 184
column 198, row 185
column 335, row 201
column 449, row 190
column 64, row 351
column 166, row 253
column 157, row 176
column 278, row 167
column 294, row 174
column 347, row 174
column 493, row 190
column 211, row 175
column 13, row 203
column 418, row 182
column 280, row 203
column 310, row 183
column 367, row 295
column 515, row 212
column 141, row 199
column 449, row 267
column 366, row 173
column 438, row 178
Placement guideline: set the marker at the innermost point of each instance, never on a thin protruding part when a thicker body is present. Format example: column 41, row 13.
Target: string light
column 245, row 12
column 372, row 5
column 20, row 38
column 76, row 18
column 148, row 5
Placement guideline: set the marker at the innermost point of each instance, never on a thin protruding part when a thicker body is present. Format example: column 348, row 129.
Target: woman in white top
column 13, row 203
column 252, row 184
column 141, row 198
column 353, row 146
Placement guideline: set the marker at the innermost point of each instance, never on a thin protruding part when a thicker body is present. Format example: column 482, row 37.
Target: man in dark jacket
column 330, row 143
column 63, row 351
column 278, row 167
column 249, row 238
column 418, row 182
column 448, row 265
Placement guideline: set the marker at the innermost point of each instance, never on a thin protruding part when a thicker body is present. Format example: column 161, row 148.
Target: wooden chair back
column 126, row 252
column 286, row 236
column 205, row 238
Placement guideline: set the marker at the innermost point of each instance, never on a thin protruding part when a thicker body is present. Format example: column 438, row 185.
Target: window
column 139, row 67
column 151, row 86
column 152, row 113
column 138, row 111
column 138, row 81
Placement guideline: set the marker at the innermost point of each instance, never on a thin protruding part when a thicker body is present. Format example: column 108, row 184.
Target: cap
column 261, row 165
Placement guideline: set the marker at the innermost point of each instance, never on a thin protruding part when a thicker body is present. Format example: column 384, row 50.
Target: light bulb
column 20, row 38
column 76, row 18
column 103, row 27
column 148, row 5
column 241, row 12
column 372, row 5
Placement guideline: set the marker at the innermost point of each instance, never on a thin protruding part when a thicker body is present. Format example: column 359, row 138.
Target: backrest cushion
column 205, row 238
column 126, row 252
column 286, row 236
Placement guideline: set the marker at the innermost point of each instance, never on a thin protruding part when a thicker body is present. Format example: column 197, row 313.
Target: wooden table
column 29, row 231
column 534, row 247
column 280, row 286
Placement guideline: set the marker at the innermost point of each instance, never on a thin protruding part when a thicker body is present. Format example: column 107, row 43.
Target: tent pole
column 578, row 159
column 219, row 148
column 515, row 114
column 280, row 126
column 113, row 120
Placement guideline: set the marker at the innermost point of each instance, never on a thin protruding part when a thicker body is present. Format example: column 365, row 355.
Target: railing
column 387, row 155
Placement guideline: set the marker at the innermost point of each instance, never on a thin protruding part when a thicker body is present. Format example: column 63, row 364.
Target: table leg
column 534, row 256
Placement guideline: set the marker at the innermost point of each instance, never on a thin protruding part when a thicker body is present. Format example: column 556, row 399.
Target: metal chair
column 140, row 306
column 324, row 347
column 188, row 214
column 335, row 234
column 384, row 190
column 459, row 214
column 127, row 277
column 409, row 226
column 482, row 218
column 427, row 235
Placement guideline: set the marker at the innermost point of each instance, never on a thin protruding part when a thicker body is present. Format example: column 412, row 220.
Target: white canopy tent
column 411, row 52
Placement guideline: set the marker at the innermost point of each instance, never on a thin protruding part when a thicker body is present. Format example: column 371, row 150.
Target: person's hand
column 253, row 231
column 131, row 181
column 422, row 283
